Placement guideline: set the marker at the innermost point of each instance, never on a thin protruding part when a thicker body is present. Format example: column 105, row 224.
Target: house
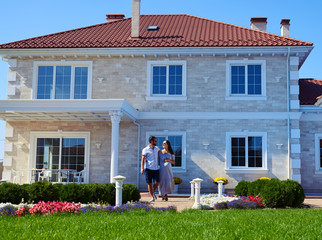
column 227, row 97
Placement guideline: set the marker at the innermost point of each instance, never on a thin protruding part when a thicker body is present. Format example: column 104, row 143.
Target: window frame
column 245, row 62
column 167, row 63
column 73, row 64
column 184, row 143
column 318, row 167
column 60, row 134
column 246, row 169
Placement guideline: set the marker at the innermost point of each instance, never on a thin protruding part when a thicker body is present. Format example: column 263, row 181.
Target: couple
column 161, row 175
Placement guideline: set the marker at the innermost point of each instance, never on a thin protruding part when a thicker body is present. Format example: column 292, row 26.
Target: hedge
column 73, row 192
column 274, row 193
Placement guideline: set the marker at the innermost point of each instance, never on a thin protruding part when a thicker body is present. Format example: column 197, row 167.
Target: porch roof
column 65, row 110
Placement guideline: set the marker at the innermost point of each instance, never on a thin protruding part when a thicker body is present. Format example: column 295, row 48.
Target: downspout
column 139, row 155
column 288, row 112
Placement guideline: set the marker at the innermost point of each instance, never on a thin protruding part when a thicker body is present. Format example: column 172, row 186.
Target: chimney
column 135, row 30
column 285, row 27
column 114, row 17
column 258, row 23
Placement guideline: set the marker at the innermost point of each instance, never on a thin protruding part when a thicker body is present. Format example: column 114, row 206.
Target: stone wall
column 311, row 178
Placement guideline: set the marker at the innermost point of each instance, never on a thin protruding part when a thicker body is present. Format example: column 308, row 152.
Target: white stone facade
column 206, row 114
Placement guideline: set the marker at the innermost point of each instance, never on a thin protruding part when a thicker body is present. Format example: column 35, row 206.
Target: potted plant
column 177, row 181
column 225, row 181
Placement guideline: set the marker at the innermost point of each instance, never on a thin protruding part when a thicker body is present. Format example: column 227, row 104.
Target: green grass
column 190, row 224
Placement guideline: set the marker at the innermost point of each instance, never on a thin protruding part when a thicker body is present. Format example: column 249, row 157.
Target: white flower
column 208, row 201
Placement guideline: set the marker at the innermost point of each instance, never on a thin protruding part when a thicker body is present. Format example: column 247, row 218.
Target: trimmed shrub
column 13, row 193
column 242, row 188
column 111, row 193
column 130, row 193
column 74, row 192
column 43, row 191
column 255, row 188
column 293, row 192
column 273, row 194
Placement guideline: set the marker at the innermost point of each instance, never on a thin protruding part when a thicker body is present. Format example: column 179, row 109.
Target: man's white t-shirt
column 151, row 156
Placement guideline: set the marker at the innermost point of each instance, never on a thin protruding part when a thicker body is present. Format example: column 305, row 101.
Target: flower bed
column 55, row 207
column 213, row 201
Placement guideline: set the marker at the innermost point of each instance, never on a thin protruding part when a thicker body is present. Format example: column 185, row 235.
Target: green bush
column 43, row 191
column 242, row 188
column 13, row 193
column 293, row 192
column 255, row 188
column 273, row 194
column 130, row 193
column 74, row 192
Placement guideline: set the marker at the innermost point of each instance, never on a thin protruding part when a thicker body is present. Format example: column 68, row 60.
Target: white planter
column 176, row 188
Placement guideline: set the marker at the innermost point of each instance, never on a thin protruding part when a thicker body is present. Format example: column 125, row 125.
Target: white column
column 220, row 184
column 115, row 119
column 192, row 189
column 197, row 204
column 118, row 186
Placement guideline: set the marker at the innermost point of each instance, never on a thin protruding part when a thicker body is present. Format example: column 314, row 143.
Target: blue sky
column 23, row 19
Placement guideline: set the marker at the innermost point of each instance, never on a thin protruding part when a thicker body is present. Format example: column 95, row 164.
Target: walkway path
column 182, row 202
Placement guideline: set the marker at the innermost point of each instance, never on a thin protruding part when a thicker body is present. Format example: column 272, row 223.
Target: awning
column 65, row 110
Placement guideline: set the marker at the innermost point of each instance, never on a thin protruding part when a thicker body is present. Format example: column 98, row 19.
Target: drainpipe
column 288, row 111
column 139, row 155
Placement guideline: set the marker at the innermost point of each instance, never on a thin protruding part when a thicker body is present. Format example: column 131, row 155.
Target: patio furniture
column 79, row 177
column 63, row 175
column 44, row 175
column 15, row 175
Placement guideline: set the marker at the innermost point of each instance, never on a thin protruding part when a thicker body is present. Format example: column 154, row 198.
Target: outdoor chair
column 44, row 175
column 63, row 175
column 15, row 175
column 79, row 177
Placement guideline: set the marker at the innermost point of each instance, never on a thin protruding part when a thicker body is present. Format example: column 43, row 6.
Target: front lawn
column 190, row 224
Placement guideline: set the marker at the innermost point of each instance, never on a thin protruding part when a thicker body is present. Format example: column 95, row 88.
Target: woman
column 166, row 157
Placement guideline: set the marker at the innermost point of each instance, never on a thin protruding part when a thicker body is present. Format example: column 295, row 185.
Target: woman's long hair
column 169, row 147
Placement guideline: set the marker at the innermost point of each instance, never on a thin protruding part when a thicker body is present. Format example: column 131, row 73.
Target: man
column 150, row 166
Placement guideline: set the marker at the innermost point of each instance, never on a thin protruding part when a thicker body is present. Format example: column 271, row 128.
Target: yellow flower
column 177, row 180
column 221, row 179
column 264, row 178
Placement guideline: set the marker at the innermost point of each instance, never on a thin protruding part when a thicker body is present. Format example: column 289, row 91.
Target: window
column 177, row 140
column 246, row 151
column 62, row 80
column 318, row 153
column 166, row 80
column 246, row 79
column 57, row 151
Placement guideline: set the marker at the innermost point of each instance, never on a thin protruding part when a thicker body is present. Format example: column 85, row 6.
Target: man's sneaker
column 154, row 196
column 152, row 200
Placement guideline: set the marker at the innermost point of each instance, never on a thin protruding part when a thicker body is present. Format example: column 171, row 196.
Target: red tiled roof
column 310, row 91
column 174, row 31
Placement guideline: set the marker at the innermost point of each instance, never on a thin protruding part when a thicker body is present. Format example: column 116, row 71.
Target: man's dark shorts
column 151, row 175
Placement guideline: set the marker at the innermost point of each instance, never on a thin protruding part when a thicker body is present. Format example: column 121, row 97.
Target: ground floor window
column 246, row 150
column 178, row 143
column 318, row 152
column 59, row 152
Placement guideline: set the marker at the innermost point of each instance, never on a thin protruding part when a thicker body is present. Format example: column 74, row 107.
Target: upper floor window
column 178, row 143
column 318, row 152
column 246, row 150
column 166, row 80
column 246, row 79
column 62, row 80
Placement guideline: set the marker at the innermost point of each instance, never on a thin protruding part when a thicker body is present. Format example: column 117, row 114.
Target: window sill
column 178, row 170
column 248, row 171
column 166, row 98
column 247, row 98
column 318, row 172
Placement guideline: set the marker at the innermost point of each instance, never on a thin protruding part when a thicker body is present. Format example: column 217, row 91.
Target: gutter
column 288, row 111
